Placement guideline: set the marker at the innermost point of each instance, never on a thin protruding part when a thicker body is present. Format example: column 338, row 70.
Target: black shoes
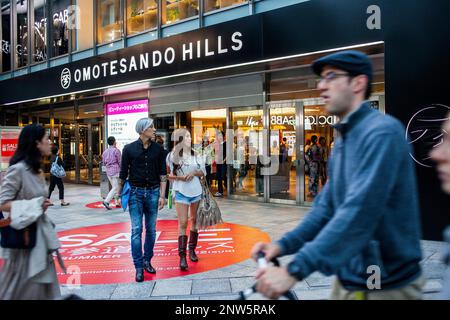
column 64, row 204
column 148, row 267
column 106, row 205
column 139, row 275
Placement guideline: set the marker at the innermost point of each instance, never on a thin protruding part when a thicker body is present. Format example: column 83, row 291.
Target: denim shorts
column 180, row 198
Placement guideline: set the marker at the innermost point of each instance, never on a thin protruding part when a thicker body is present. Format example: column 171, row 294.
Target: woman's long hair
column 27, row 149
column 179, row 135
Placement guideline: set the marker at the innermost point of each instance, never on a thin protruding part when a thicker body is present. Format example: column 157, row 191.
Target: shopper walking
column 313, row 157
column 220, row 153
column 186, row 169
column 29, row 271
column 324, row 159
column 441, row 155
column 364, row 226
column 160, row 141
column 111, row 159
column 144, row 166
column 54, row 180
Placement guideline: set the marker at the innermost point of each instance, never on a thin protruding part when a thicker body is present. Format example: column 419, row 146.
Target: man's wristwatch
column 294, row 271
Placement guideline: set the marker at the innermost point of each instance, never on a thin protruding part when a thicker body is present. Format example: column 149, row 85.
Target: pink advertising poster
column 122, row 118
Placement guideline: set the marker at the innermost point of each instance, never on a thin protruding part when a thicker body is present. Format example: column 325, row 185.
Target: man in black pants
column 55, row 181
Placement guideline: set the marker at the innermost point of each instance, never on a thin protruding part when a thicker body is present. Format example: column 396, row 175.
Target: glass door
column 90, row 143
column 318, row 141
column 246, row 179
column 284, row 122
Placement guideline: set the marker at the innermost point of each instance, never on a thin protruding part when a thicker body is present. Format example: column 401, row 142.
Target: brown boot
column 182, row 242
column 193, row 238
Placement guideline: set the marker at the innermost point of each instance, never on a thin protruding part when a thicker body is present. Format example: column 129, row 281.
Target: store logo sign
column 154, row 59
column 66, row 78
column 280, row 120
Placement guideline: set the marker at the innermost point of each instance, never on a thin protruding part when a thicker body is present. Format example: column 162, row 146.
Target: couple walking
column 145, row 164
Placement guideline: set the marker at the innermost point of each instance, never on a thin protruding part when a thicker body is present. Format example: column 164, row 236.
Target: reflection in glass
column 208, row 128
column 109, row 21
column 40, row 32
column 5, row 36
column 219, row 4
column 22, row 34
column 247, row 145
column 141, row 15
column 176, row 10
column 282, row 144
column 59, row 32
column 318, row 128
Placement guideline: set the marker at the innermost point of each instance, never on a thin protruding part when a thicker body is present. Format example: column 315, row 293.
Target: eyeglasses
column 330, row 76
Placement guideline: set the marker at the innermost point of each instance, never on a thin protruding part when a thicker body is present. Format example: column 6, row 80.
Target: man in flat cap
column 144, row 166
column 364, row 227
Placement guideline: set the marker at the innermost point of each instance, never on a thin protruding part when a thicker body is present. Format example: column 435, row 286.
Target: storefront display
column 122, row 118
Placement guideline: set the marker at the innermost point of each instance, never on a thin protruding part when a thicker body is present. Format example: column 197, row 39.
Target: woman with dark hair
column 54, row 180
column 186, row 169
column 26, row 273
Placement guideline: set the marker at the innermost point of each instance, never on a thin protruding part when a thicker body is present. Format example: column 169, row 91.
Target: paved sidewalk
column 219, row 284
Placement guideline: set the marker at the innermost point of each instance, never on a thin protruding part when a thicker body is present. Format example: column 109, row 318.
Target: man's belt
column 144, row 185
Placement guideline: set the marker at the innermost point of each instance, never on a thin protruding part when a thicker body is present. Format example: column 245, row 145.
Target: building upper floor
column 39, row 34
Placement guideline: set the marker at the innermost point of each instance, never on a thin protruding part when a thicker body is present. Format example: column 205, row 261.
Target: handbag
column 57, row 170
column 208, row 213
column 17, row 239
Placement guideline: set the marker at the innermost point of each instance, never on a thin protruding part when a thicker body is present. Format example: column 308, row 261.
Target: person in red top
column 112, row 159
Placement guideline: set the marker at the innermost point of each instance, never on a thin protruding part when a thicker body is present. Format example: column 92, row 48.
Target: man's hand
column 189, row 177
column 46, row 204
column 274, row 282
column 161, row 203
column 271, row 250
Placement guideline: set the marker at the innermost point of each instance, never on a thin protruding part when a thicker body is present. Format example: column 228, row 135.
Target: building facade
column 240, row 69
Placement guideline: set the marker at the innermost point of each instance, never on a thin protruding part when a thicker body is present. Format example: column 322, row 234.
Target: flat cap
column 352, row 61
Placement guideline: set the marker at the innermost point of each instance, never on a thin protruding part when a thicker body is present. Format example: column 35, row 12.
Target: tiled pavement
column 219, row 284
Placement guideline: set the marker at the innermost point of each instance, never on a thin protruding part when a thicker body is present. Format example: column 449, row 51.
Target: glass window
column 109, row 21
column 283, row 144
column 40, row 32
column 211, row 5
column 5, row 34
column 22, row 34
column 247, row 178
column 83, row 37
column 175, row 10
column 141, row 15
column 59, row 32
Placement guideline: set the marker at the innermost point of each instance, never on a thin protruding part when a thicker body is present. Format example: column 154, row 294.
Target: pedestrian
column 29, row 273
column 441, row 155
column 364, row 226
column 324, row 159
column 313, row 157
column 54, row 180
column 144, row 166
column 220, row 153
column 111, row 158
column 160, row 141
column 208, row 155
column 187, row 167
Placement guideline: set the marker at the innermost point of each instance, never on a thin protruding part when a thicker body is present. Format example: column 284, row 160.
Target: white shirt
column 188, row 164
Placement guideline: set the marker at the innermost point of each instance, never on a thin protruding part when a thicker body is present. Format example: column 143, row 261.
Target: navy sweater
column 367, row 213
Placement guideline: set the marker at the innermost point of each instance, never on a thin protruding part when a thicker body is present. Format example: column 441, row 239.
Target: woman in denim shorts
column 186, row 169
